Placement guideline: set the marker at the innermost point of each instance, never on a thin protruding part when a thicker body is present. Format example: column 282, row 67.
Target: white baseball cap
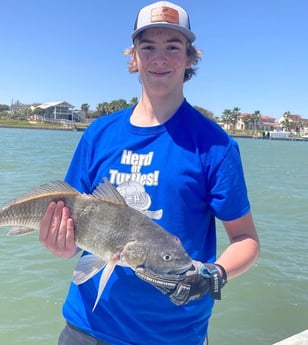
column 163, row 14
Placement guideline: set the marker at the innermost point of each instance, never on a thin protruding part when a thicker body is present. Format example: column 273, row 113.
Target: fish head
column 168, row 256
column 165, row 255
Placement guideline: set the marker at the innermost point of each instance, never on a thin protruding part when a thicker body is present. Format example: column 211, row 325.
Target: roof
column 271, row 124
column 54, row 104
column 268, row 118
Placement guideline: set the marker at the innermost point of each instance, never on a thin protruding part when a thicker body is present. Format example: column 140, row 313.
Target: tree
column 108, row 108
column 118, row 105
column 247, row 121
column 205, row 112
column 226, row 117
column 85, row 109
column 133, row 101
column 234, row 117
column 287, row 119
column 39, row 111
column 255, row 117
column 4, row 107
column 101, row 107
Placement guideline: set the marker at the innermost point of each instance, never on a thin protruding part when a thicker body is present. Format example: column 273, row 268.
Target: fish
column 105, row 226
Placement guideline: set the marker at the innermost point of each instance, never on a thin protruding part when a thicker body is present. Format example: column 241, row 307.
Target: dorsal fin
column 107, row 192
column 55, row 187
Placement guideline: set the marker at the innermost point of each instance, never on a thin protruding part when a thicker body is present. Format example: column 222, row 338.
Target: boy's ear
column 188, row 62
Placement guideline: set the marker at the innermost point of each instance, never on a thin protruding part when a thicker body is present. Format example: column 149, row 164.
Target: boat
column 276, row 134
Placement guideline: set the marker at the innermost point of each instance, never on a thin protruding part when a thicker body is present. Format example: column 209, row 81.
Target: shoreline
column 266, row 139
column 54, row 128
column 83, row 128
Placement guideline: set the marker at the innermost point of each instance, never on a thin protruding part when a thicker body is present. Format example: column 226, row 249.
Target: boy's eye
column 172, row 48
column 147, row 48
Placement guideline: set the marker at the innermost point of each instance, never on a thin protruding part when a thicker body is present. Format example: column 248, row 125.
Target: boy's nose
column 160, row 55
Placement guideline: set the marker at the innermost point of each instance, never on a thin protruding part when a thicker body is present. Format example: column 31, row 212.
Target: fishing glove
column 193, row 284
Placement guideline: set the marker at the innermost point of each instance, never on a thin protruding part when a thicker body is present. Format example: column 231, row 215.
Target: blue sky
column 255, row 53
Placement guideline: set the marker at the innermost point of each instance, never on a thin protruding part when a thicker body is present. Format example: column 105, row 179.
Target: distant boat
column 279, row 134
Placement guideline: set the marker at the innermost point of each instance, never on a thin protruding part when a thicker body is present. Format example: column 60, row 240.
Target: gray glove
column 193, row 284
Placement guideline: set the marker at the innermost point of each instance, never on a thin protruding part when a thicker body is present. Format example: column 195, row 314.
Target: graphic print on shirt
column 131, row 185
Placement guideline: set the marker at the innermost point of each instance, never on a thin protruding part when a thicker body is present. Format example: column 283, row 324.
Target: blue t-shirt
column 182, row 174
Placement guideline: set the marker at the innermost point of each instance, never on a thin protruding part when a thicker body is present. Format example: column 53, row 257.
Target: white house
column 57, row 110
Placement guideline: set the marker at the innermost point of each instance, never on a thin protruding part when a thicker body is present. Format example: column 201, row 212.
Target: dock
column 297, row 339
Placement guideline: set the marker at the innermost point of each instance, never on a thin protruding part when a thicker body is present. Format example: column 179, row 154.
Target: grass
column 12, row 123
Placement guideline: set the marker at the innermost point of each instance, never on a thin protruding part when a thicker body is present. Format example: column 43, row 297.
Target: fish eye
column 167, row 257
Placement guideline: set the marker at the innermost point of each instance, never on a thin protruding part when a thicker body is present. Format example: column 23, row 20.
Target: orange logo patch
column 165, row 14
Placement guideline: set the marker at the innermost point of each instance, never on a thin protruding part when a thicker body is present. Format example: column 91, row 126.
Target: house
column 56, row 110
column 268, row 123
column 294, row 123
column 264, row 122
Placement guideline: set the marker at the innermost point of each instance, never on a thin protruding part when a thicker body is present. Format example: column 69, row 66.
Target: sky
column 255, row 53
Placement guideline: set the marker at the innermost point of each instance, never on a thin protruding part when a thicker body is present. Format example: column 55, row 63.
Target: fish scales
column 115, row 228
column 105, row 226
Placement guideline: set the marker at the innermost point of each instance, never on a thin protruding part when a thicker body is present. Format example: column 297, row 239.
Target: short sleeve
column 228, row 197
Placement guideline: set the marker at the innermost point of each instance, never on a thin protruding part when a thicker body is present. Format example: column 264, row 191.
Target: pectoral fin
column 104, row 279
column 86, row 268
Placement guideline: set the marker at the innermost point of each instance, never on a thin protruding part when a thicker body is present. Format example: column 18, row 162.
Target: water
column 268, row 303
column 33, row 281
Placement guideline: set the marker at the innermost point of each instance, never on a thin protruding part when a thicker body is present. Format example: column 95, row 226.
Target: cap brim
column 187, row 33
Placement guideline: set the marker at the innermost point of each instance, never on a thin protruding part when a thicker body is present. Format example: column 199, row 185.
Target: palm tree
column 226, row 117
column 230, row 117
column 117, row 105
column 247, row 121
column 133, row 101
column 102, row 108
column 85, row 109
column 287, row 119
column 255, row 118
column 234, row 117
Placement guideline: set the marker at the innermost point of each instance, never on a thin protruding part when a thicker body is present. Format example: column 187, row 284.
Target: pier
column 297, row 339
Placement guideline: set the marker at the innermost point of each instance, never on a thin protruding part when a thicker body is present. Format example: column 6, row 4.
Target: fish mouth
column 177, row 271
column 156, row 277
column 181, row 270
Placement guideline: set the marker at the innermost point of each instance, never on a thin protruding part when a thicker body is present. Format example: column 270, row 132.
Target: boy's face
column 161, row 58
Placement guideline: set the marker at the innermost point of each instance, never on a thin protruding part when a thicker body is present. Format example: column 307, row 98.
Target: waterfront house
column 264, row 122
column 56, row 111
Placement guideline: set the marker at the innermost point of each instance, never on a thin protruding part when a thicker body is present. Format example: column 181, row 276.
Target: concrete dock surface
column 297, row 339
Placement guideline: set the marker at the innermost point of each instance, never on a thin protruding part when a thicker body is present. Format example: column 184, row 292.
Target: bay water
column 263, row 306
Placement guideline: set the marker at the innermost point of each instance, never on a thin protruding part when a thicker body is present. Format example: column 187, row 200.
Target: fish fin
column 103, row 280
column 107, row 192
column 86, row 268
column 20, row 231
column 55, row 187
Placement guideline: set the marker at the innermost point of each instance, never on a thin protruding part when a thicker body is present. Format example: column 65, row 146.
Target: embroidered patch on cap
column 164, row 14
